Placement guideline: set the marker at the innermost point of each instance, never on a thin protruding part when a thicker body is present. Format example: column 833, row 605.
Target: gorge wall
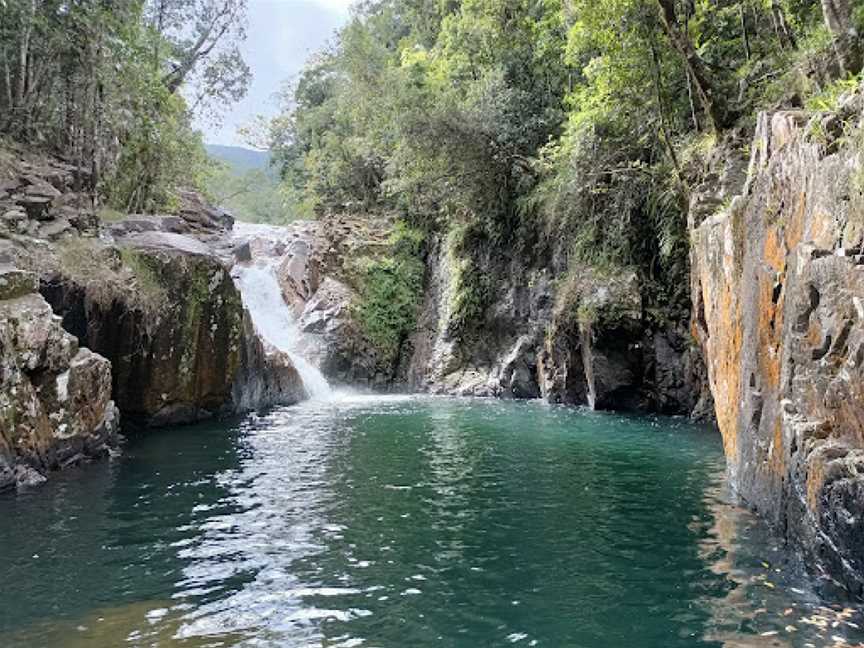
column 598, row 346
column 140, row 311
column 779, row 294
column 55, row 396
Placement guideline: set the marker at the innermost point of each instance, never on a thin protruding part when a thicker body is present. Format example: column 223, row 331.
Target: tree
column 712, row 102
column 208, row 54
column 96, row 82
column 844, row 34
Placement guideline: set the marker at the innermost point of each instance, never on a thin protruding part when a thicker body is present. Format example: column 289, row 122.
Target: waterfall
column 275, row 322
column 585, row 334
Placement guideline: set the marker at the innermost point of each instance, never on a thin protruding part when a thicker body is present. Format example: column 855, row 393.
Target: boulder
column 55, row 398
column 334, row 340
column 37, row 207
column 243, row 253
column 41, row 189
column 16, row 283
column 298, row 275
column 196, row 211
column 55, row 229
column 136, row 224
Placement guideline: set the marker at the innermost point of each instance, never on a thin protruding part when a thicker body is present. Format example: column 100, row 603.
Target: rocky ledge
column 55, row 397
column 779, row 290
column 140, row 311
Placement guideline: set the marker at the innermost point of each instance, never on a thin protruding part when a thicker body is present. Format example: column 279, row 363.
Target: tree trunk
column 711, row 103
column 742, row 14
column 661, row 110
column 27, row 19
column 781, row 27
column 847, row 44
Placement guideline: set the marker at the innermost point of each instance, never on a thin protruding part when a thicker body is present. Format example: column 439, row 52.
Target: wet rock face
column 315, row 266
column 780, row 315
column 175, row 338
column 336, row 344
column 55, row 397
column 531, row 346
column 266, row 377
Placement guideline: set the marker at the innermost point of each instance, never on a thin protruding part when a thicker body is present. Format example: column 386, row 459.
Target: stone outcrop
column 779, row 296
column 55, row 397
column 45, row 198
column 587, row 341
column 316, row 265
column 173, row 331
column 151, row 299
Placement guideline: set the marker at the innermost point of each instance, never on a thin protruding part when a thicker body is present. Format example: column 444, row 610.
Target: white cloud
column 282, row 34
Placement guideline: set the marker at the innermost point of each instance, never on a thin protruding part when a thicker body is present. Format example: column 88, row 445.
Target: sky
column 282, row 34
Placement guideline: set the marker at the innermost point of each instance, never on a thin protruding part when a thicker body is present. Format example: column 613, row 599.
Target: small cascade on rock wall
column 275, row 322
column 588, row 362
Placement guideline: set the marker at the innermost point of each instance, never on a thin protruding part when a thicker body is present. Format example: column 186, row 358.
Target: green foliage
column 566, row 132
column 108, row 273
column 390, row 293
column 439, row 118
column 252, row 196
column 161, row 153
column 828, row 98
column 150, row 292
column 89, row 81
column 470, row 289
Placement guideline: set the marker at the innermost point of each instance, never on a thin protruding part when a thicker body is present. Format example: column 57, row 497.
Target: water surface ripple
column 405, row 523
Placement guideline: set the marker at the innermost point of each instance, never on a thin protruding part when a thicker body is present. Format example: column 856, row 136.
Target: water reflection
column 276, row 507
column 772, row 602
column 407, row 522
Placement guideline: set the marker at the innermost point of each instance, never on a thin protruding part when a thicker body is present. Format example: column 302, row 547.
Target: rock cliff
column 173, row 332
column 779, row 293
column 586, row 339
column 55, row 397
column 152, row 294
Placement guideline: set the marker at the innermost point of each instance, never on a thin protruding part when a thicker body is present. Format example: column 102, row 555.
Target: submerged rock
column 779, row 291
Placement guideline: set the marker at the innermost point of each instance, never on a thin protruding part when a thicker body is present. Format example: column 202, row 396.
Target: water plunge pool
column 405, row 522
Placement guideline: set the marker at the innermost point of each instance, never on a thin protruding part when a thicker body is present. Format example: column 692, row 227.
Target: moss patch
column 390, row 291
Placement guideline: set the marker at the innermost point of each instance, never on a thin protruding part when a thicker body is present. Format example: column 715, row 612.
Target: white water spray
column 275, row 322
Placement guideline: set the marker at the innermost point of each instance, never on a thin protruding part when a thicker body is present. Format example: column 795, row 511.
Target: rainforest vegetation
column 568, row 132
column 566, row 129
column 113, row 87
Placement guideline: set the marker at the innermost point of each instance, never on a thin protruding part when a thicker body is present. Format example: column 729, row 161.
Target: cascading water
column 275, row 322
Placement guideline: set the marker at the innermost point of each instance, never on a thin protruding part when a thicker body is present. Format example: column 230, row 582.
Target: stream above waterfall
column 405, row 521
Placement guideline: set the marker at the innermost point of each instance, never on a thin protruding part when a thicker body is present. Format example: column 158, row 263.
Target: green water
column 404, row 522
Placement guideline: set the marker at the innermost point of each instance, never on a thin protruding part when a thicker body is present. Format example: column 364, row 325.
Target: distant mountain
column 239, row 158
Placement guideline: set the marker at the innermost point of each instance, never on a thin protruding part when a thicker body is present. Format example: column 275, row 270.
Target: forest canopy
column 112, row 87
column 564, row 127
